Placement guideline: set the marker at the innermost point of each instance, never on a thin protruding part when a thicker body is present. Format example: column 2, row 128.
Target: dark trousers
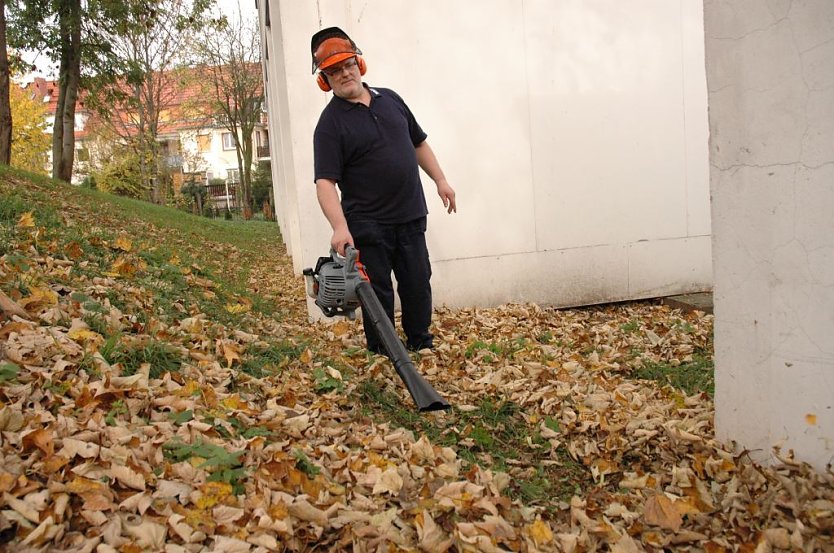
column 400, row 248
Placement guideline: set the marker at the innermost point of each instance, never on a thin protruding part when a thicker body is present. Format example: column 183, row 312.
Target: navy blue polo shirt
column 369, row 151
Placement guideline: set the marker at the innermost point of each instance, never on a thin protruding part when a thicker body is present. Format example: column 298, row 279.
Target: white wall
column 771, row 98
column 574, row 132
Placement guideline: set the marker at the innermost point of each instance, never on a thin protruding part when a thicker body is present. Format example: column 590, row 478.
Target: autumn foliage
column 162, row 389
column 30, row 141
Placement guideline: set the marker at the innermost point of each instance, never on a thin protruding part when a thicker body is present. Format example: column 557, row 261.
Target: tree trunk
column 5, row 107
column 69, row 78
column 244, row 160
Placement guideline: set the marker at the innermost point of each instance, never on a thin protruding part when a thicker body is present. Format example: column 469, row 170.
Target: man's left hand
column 447, row 194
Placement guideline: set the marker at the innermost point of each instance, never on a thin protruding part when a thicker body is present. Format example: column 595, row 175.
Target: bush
column 89, row 182
column 261, row 183
column 121, row 176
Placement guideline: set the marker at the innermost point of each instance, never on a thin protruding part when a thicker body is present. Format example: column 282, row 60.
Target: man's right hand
column 341, row 238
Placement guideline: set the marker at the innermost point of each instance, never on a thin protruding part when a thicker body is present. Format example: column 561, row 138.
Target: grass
column 264, row 359
column 131, row 355
column 214, row 245
column 494, row 436
column 694, row 377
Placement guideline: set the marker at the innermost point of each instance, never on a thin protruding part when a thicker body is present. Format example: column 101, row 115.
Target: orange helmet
column 331, row 46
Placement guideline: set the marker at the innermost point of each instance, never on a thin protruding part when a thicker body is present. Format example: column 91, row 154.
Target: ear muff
column 321, row 78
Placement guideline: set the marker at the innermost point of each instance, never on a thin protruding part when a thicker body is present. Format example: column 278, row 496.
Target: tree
column 229, row 59
column 54, row 27
column 30, row 141
column 5, row 108
column 75, row 35
column 148, row 46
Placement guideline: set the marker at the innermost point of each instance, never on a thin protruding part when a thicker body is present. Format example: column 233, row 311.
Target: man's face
column 344, row 79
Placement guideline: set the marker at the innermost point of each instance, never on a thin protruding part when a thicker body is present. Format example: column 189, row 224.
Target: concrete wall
column 574, row 132
column 770, row 69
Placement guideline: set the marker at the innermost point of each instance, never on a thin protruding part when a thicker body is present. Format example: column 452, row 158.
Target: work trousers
column 400, row 248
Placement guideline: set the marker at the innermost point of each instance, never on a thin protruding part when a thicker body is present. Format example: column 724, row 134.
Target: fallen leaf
column 660, row 511
column 26, row 220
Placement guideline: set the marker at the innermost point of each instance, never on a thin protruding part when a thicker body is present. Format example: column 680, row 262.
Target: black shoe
column 422, row 345
column 377, row 350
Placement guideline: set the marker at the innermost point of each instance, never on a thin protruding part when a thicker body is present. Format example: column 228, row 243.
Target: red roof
column 181, row 98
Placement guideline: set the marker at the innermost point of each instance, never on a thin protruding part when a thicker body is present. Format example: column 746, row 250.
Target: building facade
column 575, row 135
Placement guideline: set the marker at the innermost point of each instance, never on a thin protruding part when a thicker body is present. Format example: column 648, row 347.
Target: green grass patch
column 631, row 326
column 8, row 371
column 694, row 377
column 265, row 360
column 222, row 465
column 161, row 356
column 498, row 348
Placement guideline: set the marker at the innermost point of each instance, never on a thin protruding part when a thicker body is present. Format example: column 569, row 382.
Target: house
column 190, row 143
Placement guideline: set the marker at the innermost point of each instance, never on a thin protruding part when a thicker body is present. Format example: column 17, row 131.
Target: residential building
column 190, row 143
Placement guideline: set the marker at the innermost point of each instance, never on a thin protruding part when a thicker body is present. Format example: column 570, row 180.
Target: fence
column 222, row 196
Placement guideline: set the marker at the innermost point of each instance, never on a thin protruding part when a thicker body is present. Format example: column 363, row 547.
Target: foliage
column 70, row 32
column 262, row 183
column 223, row 465
column 30, row 142
column 120, row 175
column 135, row 103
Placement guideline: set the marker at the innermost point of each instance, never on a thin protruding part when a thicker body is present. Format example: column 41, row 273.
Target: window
column 233, row 176
column 203, row 142
column 228, row 141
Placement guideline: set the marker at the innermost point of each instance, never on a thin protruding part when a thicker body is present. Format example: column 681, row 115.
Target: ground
column 162, row 389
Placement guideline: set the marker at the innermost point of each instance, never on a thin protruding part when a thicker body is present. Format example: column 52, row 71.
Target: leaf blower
column 340, row 285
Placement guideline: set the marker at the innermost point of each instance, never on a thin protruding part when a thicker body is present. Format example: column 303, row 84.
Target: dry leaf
column 27, row 220
column 660, row 511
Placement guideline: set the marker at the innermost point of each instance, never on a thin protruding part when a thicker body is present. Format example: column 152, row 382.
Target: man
column 369, row 144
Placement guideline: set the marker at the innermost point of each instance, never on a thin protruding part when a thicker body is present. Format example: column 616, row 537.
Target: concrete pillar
column 770, row 77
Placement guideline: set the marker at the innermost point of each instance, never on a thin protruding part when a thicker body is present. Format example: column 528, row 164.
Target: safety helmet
column 331, row 46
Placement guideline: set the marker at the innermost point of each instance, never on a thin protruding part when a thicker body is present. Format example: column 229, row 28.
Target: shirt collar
column 348, row 105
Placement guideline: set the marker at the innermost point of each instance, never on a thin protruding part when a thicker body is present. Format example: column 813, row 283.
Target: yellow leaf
column 123, row 243
column 811, row 419
column 235, row 403
column 39, row 297
column 236, row 308
column 83, row 334
column 175, row 260
column 212, row 494
column 540, row 532
column 340, row 328
column 27, row 220
column 80, row 485
column 122, row 267
column 306, row 357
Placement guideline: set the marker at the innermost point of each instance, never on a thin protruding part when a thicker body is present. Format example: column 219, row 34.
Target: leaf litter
column 147, row 406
